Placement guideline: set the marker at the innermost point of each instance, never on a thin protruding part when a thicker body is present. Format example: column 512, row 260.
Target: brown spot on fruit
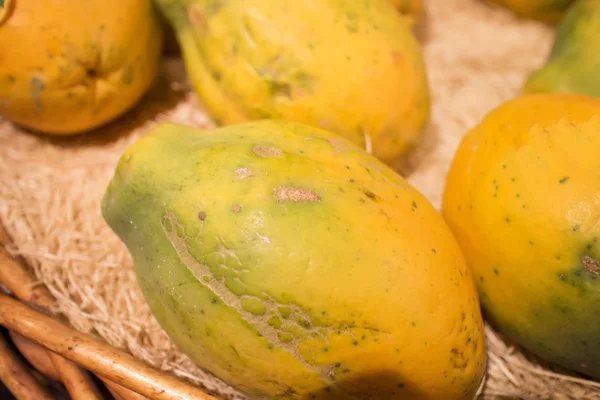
column 295, row 195
column 266, row 151
column 243, row 172
column 201, row 215
column 338, row 144
column 236, row 208
column 397, row 57
column 591, row 265
column 370, row 194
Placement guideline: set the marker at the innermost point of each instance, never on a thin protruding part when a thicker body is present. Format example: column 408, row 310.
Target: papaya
column 547, row 11
column 573, row 65
column 69, row 67
column 521, row 198
column 351, row 67
column 292, row 264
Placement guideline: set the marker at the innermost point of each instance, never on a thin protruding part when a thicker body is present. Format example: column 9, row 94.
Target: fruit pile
column 281, row 250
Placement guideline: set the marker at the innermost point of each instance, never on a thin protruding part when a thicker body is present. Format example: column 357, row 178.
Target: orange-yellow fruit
column 523, row 200
column 352, row 67
column 67, row 67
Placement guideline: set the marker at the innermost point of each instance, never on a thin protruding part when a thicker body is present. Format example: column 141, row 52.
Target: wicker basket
column 71, row 304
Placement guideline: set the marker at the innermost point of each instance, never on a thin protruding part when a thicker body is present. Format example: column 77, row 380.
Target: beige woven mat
column 50, row 190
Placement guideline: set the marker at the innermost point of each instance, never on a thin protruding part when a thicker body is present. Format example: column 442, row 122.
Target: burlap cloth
column 51, row 188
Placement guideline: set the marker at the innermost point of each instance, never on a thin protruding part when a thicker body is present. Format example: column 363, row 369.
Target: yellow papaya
column 549, row 11
column 294, row 265
column 522, row 198
column 68, row 67
column 574, row 62
column 351, row 67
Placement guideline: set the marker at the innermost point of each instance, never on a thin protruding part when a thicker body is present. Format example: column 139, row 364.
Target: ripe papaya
column 68, row 67
column 294, row 265
column 574, row 62
column 549, row 11
column 522, row 198
column 351, row 67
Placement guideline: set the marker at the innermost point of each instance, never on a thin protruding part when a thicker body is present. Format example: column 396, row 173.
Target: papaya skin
column 351, row 67
column 77, row 65
column 413, row 11
column 409, row 7
column 548, row 11
column 574, row 62
column 522, row 199
column 286, row 261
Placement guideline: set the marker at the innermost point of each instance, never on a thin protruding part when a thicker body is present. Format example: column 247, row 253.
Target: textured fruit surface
column 550, row 11
column 523, row 200
column 70, row 66
column 574, row 62
column 294, row 265
column 351, row 67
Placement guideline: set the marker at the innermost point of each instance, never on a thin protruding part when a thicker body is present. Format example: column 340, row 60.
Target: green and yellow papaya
column 549, row 11
column 294, row 265
column 574, row 62
column 351, row 67
column 523, row 200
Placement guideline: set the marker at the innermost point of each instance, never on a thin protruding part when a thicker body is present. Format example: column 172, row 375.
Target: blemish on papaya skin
column 352, row 27
column 243, row 173
column 293, row 194
column 263, row 238
column 235, row 350
column 564, row 179
column 397, row 57
column 201, row 215
column 126, row 77
column 338, row 144
column 279, row 89
column 266, row 151
column 297, row 325
column 236, row 208
column 591, row 265
column 37, row 87
column 370, row 194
